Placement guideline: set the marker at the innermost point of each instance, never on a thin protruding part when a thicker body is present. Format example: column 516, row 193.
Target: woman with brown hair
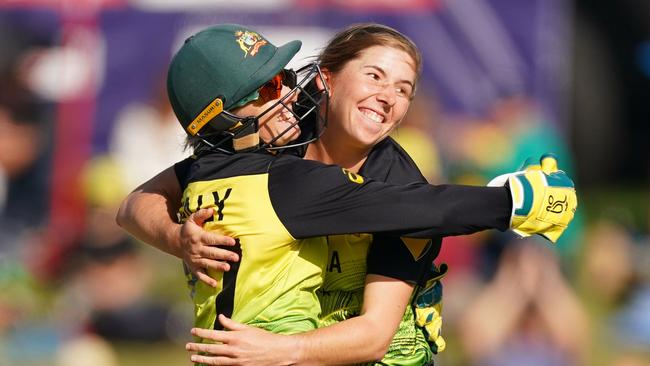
column 371, row 73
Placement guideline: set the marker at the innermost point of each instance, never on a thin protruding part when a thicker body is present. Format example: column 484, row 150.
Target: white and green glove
column 543, row 198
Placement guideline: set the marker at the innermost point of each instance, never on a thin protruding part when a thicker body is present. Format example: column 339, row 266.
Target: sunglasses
column 273, row 88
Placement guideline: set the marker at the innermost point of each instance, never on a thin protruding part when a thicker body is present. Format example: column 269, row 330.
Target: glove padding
column 544, row 198
column 428, row 308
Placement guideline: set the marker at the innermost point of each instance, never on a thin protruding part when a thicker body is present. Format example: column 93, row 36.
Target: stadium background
column 84, row 118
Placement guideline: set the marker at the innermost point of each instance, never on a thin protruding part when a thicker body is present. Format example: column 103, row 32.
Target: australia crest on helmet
column 250, row 42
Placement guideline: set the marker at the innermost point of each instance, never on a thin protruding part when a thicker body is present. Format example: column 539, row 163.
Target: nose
column 387, row 95
column 293, row 97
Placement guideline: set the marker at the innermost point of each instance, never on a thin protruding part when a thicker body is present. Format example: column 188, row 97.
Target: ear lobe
column 326, row 79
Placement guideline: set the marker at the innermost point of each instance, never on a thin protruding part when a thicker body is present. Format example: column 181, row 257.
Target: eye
column 403, row 91
column 374, row 76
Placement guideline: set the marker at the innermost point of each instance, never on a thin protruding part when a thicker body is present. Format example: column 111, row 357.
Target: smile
column 372, row 115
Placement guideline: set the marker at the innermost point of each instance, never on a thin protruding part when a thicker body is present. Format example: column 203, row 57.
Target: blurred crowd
column 95, row 296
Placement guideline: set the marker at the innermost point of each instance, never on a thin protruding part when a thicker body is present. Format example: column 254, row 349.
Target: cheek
column 400, row 111
column 267, row 125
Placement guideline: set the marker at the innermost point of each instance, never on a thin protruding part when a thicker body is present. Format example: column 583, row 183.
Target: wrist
column 297, row 349
column 173, row 240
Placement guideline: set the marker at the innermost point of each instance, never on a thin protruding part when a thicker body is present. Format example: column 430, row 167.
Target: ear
column 327, row 79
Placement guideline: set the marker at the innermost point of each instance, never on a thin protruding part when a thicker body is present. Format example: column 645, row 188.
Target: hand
column 199, row 247
column 428, row 308
column 544, row 199
column 240, row 345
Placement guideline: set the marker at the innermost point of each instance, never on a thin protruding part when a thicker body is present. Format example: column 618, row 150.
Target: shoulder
column 216, row 165
column 389, row 162
column 182, row 170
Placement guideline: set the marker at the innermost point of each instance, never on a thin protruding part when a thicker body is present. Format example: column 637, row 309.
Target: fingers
column 212, row 254
column 201, row 215
column 198, row 219
column 211, row 334
column 214, row 239
column 215, row 265
column 194, row 232
column 216, row 354
column 230, row 324
column 202, row 276
column 212, row 360
column 549, row 163
column 209, row 348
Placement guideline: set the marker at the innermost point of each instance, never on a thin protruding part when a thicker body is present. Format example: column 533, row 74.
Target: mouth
column 287, row 117
column 372, row 115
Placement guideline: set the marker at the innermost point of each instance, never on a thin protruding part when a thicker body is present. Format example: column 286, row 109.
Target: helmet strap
column 247, row 138
column 246, row 142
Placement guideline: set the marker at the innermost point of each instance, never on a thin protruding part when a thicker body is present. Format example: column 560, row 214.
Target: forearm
column 147, row 213
column 360, row 339
column 144, row 215
column 348, row 342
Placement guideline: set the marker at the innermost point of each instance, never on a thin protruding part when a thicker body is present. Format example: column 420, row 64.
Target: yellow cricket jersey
column 280, row 207
column 281, row 273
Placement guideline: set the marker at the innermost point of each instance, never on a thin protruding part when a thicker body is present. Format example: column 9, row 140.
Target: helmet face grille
column 306, row 111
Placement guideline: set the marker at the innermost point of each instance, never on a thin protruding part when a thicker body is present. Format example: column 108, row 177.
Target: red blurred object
column 62, row 4
column 72, row 148
column 372, row 5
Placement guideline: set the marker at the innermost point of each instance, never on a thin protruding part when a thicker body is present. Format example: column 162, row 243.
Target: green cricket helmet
column 224, row 67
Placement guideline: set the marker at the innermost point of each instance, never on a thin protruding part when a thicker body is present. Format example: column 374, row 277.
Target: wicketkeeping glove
column 543, row 198
column 428, row 308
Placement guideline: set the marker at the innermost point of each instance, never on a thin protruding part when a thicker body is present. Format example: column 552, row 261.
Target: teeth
column 286, row 116
column 374, row 116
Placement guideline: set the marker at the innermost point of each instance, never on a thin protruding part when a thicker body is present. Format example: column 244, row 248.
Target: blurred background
column 84, row 118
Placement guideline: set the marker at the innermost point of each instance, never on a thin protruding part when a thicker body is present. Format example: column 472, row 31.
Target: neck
column 329, row 151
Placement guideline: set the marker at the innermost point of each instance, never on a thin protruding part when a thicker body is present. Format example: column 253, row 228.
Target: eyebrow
column 383, row 72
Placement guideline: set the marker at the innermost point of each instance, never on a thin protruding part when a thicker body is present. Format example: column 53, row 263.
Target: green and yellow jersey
column 351, row 257
column 280, row 207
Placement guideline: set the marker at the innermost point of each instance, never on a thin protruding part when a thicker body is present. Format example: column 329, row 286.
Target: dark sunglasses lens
column 272, row 89
column 289, row 78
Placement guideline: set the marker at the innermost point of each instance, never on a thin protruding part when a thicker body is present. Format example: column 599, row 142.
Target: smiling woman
column 370, row 96
column 372, row 72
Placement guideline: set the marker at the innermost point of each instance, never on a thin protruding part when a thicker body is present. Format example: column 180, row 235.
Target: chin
column 287, row 139
column 368, row 140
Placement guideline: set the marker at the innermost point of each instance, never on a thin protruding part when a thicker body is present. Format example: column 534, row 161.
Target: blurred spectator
column 479, row 149
column 416, row 135
column 512, row 131
column 526, row 315
column 23, row 144
column 620, row 259
column 608, row 256
column 86, row 350
column 111, row 278
column 147, row 138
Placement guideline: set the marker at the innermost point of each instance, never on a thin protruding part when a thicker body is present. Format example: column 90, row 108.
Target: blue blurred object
column 632, row 324
column 643, row 58
column 31, row 345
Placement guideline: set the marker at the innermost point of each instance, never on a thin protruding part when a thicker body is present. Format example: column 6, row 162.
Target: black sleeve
column 182, row 170
column 389, row 162
column 405, row 259
column 314, row 200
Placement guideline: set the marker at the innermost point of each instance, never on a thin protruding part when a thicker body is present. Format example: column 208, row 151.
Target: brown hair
column 350, row 42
